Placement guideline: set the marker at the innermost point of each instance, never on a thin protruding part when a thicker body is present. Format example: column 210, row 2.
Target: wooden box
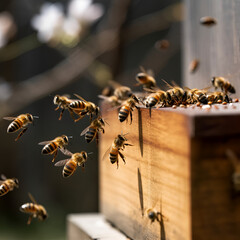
column 178, row 166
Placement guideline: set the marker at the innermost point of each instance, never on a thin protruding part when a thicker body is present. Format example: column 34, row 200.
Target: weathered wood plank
column 90, row 227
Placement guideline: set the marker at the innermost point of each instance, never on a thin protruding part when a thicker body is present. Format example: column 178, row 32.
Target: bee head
column 65, row 138
column 141, row 76
column 97, row 110
column 30, row 117
column 16, row 182
column 151, row 215
column 56, row 99
column 213, row 80
column 121, row 138
column 101, row 121
column 43, row 215
column 135, row 98
column 84, row 155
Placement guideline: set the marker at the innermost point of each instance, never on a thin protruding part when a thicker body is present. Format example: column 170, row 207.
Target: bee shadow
column 140, row 191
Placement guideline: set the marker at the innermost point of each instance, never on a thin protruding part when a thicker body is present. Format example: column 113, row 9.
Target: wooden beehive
column 178, row 166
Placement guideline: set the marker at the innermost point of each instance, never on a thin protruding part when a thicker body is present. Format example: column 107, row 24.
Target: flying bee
column 71, row 164
column 113, row 100
column 52, row 146
column 194, row 65
column 34, row 209
column 92, row 130
column 146, row 79
column 208, row 21
column 7, row 185
column 120, row 91
column 236, row 165
column 83, row 107
column 63, row 102
column 224, row 84
column 127, row 108
column 118, row 145
column 19, row 122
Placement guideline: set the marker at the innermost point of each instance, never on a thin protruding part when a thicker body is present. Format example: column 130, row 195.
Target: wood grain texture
column 217, row 47
column 178, row 166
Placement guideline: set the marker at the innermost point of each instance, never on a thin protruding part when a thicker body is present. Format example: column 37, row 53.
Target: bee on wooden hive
column 52, row 146
column 217, row 97
column 83, row 107
column 92, row 130
column 63, row 102
column 117, row 146
column 223, row 84
column 157, row 96
column 19, row 122
column 34, row 209
column 208, row 21
column 153, row 215
column 71, row 164
column 196, row 95
column 112, row 100
column 193, row 66
column 7, row 185
column 146, row 79
column 120, row 92
column 236, row 165
column 127, row 108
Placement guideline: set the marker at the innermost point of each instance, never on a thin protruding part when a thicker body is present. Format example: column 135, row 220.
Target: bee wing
column 3, row 177
column 61, row 162
column 168, row 85
column 32, row 198
column 142, row 69
column 85, row 130
column 1, row 182
column 106, row 153
column 81, row 98
column 66, row 152
column 114, row 84
column 9, row 118
column 44, row 142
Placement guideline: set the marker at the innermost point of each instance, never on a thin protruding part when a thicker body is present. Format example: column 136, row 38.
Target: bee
column 208, row 21
column 217, row 97
column 19, row 122
column 83, row 107
column 34, row 209
column 193, row 66
column 127, row 108
column 162, row 44
column 223, row 83
column 92, row 130
column 121, row 92
column 146, row 79
column 196, row 95
column 236, row 165
column 63, row 102
column 157, row 96
column 52, row 146
column 7, row 185
column 113, row 100
column 71, row 164
column 118, row 144
column 153, row 215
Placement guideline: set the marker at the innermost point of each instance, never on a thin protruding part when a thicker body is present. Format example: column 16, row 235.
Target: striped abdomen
column 69, row 168
column 113, row 155
column 230, row 88
column 90, row 134
column 29, row 208
column 153, row 100
column 4, row 189
column 123, row 113
column 50, row 148
column 15, row 125
column 78, row 104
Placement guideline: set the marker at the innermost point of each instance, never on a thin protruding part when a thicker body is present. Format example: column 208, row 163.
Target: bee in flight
column 63, row 102
column 208, row 21
column 52, row 146
column 146, row 79
column 19, row 122
column 127, row 108
column 224, row 84
column 34, row 209
column 7, row 185
column 118, row 145
column 71, row 164
column 83, row 107
column 92, row 131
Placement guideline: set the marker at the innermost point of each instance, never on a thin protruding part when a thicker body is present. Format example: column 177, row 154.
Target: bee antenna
column 70, row 136
column 90, row 153
column 35, row 116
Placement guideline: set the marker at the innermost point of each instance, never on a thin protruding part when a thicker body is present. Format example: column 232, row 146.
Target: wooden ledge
column 91, row 226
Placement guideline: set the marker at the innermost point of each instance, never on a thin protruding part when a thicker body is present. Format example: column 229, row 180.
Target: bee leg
column 128, row 144
column 130, row 116
column 57, row 108
column 97, row 138
column 29, row 219
column 117, row 164
column 226, row 98
column 80, row 116
column 83, row 167
column 61, row 113
column 21, row 133
column 122, row 156
column 71, row 113
column 55, row 155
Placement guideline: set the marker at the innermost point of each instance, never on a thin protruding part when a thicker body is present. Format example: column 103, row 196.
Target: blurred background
column 67, row 47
